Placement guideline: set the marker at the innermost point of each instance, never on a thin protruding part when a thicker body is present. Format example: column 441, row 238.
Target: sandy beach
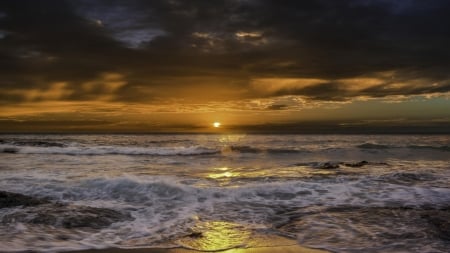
column 284, row 249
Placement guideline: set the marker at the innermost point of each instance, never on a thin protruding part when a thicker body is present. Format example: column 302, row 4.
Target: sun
column 216, row 124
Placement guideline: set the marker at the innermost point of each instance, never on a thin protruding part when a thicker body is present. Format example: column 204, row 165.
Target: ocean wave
column 440, row 148
column 407, row 178
column 165, row 207
column 110, row 150
column 10, row 150
column 136, row 150
column 157, row 191
column 65, row 216
column 256, row 150
column 369, row 145
column 34, row 143
column 350, row 229
column 168, row 141
column 338, row 164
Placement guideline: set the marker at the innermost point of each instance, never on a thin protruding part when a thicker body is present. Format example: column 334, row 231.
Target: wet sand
column 275, row 249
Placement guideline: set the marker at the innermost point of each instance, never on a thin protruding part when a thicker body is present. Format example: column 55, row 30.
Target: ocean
column 340, row 193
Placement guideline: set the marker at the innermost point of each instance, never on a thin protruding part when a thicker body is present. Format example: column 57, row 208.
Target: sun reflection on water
column 216, row 235
column 223, row 173
column 231, row 138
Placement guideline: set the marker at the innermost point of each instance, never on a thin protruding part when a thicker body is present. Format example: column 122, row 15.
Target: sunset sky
column 252, row 65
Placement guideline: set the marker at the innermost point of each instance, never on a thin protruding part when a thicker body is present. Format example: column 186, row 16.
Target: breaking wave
column 160, row 190
column 440, row 148
column 383, row 146
column 256, row 150
column 56, row 148
column 374, row 146
column 109, row 150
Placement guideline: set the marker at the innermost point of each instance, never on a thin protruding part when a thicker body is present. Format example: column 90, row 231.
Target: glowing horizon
column 80, row 67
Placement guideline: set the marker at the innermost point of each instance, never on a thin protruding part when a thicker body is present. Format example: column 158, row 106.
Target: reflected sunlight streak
column 216, row 235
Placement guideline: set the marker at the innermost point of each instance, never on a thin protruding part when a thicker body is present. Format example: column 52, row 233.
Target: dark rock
column 356, row 165
column 67, row 216
column 91, row 217
column 407, row 178
column 327, row 166
column 63, row 237
column 9, row 199
column 304, row 192
column 195, row 235
column 10, row 150
column 245, row 149
column 387, row 223
column 39, row 144
column 440, row 220
column 42, row 211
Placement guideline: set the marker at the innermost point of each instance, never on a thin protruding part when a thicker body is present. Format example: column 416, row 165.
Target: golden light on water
column 223, row 173
column 231, row 237
column 216, row 235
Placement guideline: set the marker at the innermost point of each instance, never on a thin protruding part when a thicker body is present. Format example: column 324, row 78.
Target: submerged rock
column 42, row 211
column 9, row 199
column 328, row 165
column 384, row 224
column 10, row 150
column 407, row 178
column 67, row 216
column 356, row 165
column 440, row 220
column 34, row 143
column 195, row 235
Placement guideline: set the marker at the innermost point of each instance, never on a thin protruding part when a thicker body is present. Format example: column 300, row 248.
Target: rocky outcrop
column 9, row 199
column 331, row 165
column 386, row 222
column 42, row 211
column 356, row 165
column 67, row 216
column 9, row 150
column 440, row 221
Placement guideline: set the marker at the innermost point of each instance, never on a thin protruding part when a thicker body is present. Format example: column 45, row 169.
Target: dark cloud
column 43, row 125
column 161, row 48
column 277, row 107
column 325, row 91
column 386, row 90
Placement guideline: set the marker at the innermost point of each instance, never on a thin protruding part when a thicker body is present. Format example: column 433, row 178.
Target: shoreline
column 266, row 249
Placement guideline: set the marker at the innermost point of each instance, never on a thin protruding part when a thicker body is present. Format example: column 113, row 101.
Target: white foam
column 163, row 207
column 111, row 150
column 153, row 191
column 261, row 184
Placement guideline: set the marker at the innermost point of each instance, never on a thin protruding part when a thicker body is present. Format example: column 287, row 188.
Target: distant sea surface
column 342, row 193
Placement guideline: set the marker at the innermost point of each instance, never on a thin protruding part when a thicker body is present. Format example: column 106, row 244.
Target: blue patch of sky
column 132, row 27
